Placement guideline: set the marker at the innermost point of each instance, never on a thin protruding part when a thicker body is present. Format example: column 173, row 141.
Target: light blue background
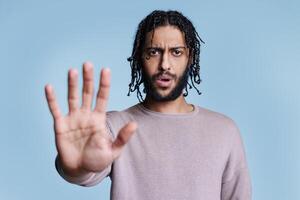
column 249, row 66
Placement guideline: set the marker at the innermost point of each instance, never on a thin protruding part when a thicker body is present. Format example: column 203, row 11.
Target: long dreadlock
column 149, row 23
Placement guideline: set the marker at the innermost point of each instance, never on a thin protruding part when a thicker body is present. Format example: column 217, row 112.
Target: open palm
column 83, row 142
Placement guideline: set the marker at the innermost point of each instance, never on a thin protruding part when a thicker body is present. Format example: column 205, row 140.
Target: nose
column 165, row 63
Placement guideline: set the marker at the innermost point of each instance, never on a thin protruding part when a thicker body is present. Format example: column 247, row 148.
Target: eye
column 177, row 52
column 153, row 52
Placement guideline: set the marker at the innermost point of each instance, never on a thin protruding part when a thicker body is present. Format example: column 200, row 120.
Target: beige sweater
column 193, row 156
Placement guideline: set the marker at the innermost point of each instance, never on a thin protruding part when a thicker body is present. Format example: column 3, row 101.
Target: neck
column 178, row 105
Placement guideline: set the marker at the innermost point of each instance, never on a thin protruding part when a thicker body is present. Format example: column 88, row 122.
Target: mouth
column 163, row 81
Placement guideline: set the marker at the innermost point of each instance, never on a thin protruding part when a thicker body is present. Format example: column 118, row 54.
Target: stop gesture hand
column 82, row 140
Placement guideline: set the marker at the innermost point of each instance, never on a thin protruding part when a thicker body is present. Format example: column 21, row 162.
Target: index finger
column 52, row 103
column 103, row 91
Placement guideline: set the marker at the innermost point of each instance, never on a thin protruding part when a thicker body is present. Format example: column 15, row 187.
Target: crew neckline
column 159, row 114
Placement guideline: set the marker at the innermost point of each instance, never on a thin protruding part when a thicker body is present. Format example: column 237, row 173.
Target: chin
column 163, row 96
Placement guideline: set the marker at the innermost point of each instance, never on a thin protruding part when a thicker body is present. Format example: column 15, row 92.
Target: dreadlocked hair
column 193, row 41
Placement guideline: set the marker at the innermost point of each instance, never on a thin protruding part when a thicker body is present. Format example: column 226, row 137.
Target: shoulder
column 221, row 127
column 218, row 121
column 215, row 116
column 128, row 113
column 115, row 120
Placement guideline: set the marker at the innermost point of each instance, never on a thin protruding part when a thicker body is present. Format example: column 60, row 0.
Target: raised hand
column 83, row 142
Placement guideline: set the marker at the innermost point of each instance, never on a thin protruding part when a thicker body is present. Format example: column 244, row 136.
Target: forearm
column 84, row 179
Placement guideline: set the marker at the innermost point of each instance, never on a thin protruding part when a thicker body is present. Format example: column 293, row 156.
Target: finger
column 123, row 137
column 88, row 85
column 52, row 103
column 73, row 98
column 103, row 91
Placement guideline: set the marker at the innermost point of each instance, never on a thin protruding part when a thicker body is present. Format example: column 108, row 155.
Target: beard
column 152, row 92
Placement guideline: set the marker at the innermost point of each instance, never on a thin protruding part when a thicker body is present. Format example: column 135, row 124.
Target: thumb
column 123, row 137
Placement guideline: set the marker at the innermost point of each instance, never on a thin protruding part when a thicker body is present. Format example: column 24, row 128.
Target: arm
column 236, row 183
column 86, row 180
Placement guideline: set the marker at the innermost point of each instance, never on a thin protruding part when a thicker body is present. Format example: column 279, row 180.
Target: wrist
column 70, row 172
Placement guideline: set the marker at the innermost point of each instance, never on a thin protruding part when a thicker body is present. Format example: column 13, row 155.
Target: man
column 163, row 147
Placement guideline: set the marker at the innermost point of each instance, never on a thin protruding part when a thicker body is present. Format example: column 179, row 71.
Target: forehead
column 165, row 36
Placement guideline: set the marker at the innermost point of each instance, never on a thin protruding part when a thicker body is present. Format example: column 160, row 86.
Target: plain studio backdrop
column 249, row 67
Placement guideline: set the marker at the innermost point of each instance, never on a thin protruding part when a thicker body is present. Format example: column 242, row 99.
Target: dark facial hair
column 152, row 93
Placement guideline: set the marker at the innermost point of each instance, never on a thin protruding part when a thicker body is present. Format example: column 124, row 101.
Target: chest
column 178, row 151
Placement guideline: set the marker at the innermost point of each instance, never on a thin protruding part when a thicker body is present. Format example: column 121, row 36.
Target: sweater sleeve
column 236, row 183
column 87, row 180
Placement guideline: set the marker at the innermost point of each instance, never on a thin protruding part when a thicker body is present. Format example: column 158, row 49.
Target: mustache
column 168, row 74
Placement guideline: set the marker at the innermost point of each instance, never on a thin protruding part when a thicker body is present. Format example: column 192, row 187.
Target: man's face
column 165, row 61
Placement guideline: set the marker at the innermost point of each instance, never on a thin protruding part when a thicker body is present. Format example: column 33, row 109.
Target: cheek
column 150, row 65
column 181, row 65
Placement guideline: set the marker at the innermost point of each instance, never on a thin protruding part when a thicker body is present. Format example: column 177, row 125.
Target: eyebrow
column 161, row 49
